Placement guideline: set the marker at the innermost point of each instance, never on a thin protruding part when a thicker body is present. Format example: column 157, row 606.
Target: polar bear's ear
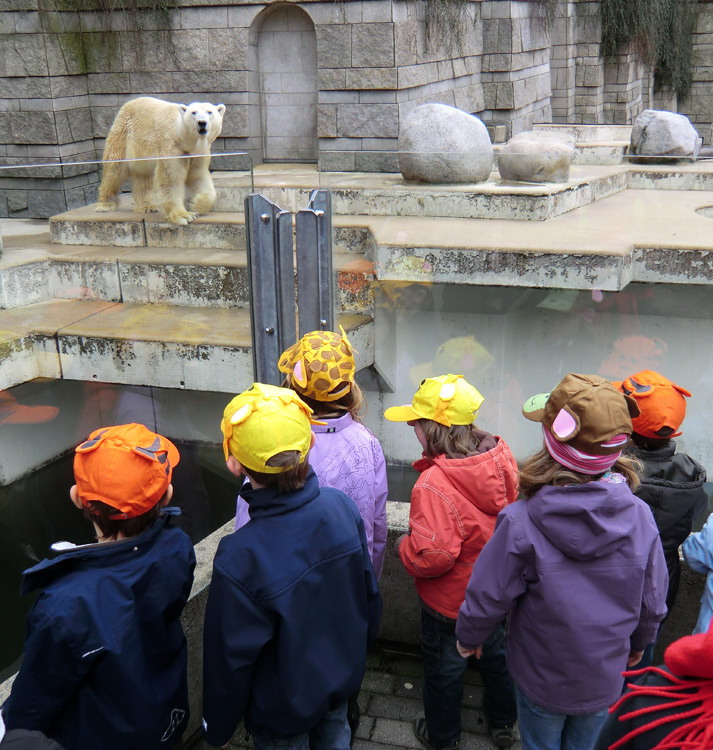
column 184, row 108
column 221, row 108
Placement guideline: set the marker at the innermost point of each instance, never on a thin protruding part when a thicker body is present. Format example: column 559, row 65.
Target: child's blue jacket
column 293, row 605
column 105, row 654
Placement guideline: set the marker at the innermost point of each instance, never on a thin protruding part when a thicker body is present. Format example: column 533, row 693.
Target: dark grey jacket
column 672, row 486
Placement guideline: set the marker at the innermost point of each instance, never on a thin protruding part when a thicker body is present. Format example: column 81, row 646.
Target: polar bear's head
column 203, row 119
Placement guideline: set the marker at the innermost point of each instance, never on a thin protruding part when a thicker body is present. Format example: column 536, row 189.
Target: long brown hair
column 541, row 469
column 456, row 441
column 350, row 402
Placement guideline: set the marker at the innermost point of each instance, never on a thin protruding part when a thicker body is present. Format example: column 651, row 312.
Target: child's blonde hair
column 456, row 441
column 541, row 470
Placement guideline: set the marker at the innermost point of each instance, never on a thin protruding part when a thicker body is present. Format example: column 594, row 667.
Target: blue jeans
column 541, row 729
column 332, row 733
column 443, row 670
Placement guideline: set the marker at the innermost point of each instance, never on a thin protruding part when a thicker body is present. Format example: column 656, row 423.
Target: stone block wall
column 64, row 75
column 698, row 105
column 45, row 113
column 516, row 64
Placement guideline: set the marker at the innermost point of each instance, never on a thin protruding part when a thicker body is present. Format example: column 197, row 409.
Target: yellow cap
column 446, row 399
column 263, row 421
column 320, row 365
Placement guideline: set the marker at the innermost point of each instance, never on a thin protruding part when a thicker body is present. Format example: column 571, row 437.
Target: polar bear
column 147, row 127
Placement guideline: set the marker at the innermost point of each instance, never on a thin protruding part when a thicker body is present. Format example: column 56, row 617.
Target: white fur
column 148, row 127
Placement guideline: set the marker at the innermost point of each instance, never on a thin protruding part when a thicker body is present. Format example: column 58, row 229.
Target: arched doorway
column 287, row 70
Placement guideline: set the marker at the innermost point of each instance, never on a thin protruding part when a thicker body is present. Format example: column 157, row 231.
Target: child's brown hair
column 292, row 477
column 541, row 470
column 456, row 441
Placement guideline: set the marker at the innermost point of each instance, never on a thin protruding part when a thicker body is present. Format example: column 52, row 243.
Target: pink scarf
column 585, row 463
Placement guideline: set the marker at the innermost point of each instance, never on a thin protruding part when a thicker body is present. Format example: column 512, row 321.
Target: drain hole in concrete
column 706, row 211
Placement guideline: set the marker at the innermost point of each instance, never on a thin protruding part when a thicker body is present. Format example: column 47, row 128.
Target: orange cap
column 127, row 467
column 662, row 404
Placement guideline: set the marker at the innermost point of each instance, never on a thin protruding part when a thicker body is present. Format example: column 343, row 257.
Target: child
column 467, row 477
column 293, row 602
column 698, row 554
column 667, row 707
column 105, row 656
column 345, row 455
column 578, row 564
column 671, row 483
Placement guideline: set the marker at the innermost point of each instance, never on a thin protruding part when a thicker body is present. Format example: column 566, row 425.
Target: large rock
column 537, row 156
column 441, row 144
column 663, row 137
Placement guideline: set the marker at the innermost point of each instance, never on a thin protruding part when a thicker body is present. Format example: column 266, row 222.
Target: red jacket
column 454, row 505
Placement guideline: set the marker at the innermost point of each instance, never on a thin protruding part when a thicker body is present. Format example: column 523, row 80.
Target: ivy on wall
column 85, row 48
column 662, row 32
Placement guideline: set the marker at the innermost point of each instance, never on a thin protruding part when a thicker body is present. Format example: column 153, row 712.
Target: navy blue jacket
column 105, row 655
column 293, row 605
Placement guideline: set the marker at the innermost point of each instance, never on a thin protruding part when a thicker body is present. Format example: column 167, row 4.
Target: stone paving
column 390, row 699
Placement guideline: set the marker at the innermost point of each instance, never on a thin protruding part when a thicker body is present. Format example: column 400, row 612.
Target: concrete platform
column 160, row 345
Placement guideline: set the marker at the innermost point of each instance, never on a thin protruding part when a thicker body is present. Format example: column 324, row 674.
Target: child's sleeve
column 435, row 535
column 698, row 549
column 381, row 489
column 653, row 601
column 234, row 633
column 51, row 670
column 500, row 575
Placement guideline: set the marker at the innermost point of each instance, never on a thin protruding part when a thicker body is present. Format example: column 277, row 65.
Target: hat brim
column 403, row 413
column 534, row 408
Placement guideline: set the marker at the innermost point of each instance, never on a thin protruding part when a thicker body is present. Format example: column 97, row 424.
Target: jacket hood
column 585, row 521
column 487, row 479
column 68, row 557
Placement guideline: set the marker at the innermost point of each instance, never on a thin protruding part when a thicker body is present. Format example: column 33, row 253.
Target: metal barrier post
column 315, row 301
column 271, row 278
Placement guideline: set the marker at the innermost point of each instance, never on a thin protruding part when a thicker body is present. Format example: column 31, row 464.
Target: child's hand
column 466, row 652
column 634, row 658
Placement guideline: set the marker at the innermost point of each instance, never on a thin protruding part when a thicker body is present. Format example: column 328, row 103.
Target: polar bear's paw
column 106, row 206
column 148, row 208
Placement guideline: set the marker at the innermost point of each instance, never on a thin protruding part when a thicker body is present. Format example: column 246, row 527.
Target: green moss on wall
column 661, row 31
column 85, row 51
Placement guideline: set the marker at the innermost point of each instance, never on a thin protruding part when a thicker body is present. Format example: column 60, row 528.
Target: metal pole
column 315, row 301
column 271, row 279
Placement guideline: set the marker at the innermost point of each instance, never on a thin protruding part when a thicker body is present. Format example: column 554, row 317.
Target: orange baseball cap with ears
column 662, row 404
column 127, row 467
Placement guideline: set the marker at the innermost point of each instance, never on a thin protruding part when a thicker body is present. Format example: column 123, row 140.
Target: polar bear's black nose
column 202, row 127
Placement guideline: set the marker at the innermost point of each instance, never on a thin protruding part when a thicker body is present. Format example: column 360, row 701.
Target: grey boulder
column 537, row 156
column 439, row 144
column 665, row 137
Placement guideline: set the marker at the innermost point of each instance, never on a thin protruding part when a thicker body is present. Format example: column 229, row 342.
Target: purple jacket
column 348, row 457
column 582, row 573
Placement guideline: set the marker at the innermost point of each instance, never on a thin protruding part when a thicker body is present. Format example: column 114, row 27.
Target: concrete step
column 159, row 345
column 33, row 270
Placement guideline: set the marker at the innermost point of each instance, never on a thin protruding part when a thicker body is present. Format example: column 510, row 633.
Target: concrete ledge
column 165, row 346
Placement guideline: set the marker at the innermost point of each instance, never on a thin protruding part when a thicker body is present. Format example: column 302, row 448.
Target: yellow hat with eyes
column 263, row 421
column 446, row 399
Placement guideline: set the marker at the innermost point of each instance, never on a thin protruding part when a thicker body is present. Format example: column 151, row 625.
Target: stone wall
column 516, row 64
column 363, row 64
column 698, row 105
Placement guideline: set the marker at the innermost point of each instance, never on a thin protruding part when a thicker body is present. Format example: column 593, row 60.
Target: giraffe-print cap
column 320, row 365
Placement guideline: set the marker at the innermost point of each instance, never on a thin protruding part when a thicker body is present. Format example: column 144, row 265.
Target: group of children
column 555, row 595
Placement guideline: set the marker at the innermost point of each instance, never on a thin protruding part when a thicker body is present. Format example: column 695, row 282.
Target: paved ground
column 390, row 698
